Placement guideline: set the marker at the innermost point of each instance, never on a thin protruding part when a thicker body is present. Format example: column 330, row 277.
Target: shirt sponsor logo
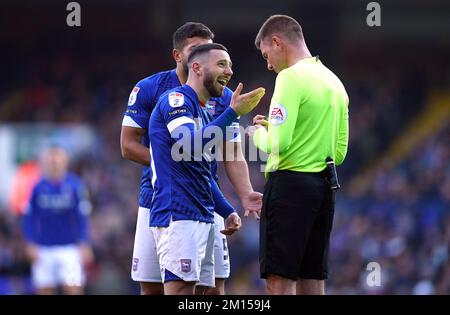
column 177, row 111
column 133, row 96
column 56, row 203
column 176, row 99
column 185, row 265
column 278, row 115
column 131, row 111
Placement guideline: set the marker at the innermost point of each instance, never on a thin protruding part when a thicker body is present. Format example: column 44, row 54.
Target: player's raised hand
column 232, row 224
column 244, row 103
column 252, row 203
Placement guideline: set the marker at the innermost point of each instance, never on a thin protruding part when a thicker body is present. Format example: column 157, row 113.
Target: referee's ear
column 276, row 40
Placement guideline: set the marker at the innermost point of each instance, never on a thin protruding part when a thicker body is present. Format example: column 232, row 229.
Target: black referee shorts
column 295, row 227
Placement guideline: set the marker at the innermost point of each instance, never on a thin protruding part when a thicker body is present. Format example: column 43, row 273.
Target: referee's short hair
column 190, row 30
column 202, row 49
column 282, row 25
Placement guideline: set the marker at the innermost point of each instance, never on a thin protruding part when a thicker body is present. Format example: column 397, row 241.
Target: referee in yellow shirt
column 307, row 125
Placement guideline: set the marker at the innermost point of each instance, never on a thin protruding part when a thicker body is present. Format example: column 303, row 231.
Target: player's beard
column 185, row 68
column 210, row 84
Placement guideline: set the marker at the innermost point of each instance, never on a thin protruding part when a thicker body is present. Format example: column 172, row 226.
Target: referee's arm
column 342, row 139
column 278, row 137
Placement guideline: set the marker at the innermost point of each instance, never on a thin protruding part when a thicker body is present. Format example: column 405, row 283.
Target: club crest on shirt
column 277, row 115
column 133, row 96
column 135, row 264
column 176, row 99
column 211, row 107
column 185, row 265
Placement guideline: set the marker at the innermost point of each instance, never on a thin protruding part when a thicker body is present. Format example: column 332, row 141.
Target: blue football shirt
column 58, row 212
column 183, row 188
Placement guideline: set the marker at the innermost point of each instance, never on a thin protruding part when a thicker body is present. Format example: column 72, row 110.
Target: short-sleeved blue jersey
column 57, row 212
column 141, row 103
column 182, row 188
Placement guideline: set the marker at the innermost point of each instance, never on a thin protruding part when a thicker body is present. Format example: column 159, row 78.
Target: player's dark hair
column 190, row 30
column 201, row 49
column 283, row 25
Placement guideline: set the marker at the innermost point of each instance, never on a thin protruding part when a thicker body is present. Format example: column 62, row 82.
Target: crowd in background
column 402, row 221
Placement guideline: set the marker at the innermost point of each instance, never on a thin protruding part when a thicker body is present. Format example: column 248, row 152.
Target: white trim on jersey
column 129, row 122
column 178, row 122
column 152, row 165
column 237, row 138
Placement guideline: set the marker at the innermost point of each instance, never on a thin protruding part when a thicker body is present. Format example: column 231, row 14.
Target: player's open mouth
column 223, row 82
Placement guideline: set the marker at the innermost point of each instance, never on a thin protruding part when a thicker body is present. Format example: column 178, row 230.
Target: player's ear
column 197, row 68
column 177, row 56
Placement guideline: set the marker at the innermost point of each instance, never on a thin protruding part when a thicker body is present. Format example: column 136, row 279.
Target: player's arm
column 131, row 147
column 282, row 116
column 135, row 124
column 83, row 209
column 225, row 210
column 237, row 171
column 342, row 139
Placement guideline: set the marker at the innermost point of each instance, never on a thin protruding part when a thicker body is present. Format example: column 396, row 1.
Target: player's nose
column 228, row 71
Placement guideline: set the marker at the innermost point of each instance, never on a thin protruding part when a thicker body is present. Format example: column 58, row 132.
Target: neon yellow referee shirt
column 308, row 119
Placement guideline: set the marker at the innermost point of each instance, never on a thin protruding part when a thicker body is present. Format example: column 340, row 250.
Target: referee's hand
column 260, row 120
column 232, row 224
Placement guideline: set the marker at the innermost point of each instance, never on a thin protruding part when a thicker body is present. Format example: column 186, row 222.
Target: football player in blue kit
column 134, row 146
column 186, row 194
column 56, row 227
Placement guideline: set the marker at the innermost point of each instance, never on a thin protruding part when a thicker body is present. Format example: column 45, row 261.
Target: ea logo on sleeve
column 133, row 96
column 176, row 99
column 277, row 115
